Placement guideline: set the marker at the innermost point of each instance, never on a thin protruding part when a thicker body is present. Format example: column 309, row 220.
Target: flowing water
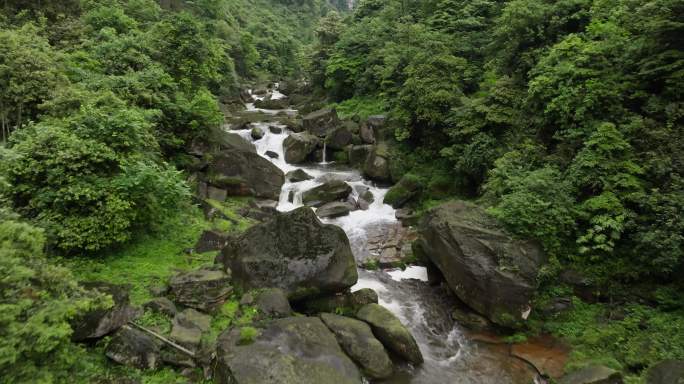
column 449, row 356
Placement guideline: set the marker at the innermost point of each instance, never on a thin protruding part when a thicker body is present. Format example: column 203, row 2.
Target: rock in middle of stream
column 295, row 252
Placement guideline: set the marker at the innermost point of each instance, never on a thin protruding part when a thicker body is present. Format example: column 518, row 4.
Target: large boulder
column 270, row 103
column 320, row 122
column 101, row 322
column 486, row 268
column 134, row 348
column 244, row 173
column 188, row 326
column 203, row 289
column 404, row 191
column 295, row 252
column 359, row 154
column 347, row 302
column 294, row 350
column 377, row 166
column 334, row 190
column 298, row 147
column 339, row 138
column 357, row 340
column 594, row 374
column 666, row 372
column 257, row 133
column 367, row 133
column 235, row 142
column 391, row 332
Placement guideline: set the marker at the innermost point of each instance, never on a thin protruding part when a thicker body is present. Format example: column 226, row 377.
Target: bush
column 38, row 300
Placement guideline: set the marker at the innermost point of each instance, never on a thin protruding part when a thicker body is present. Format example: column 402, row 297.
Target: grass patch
column 150, row 260
column 229, row 208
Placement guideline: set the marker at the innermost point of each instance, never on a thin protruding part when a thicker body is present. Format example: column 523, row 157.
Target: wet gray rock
column 269, row 103
column 297, row 175
column 235, row 142
column 595, row 374
column 335, row 190
column 666, row 372
column 203, row 289
column 298, row 146
column 101, row 322
column 273, row 303
column 487, row 269
column 334, row 209
column 359, row 154
column 257, row 133
column 339, row 138
column 243, row 173
column 406, row 216
column 357, row 340
column 275, row 129
column 377, row 167
column 320, row 122
column 389, row 330
column 295, row 252
column 134, row 348
column 211, row 240
column 161, row 305
column 272, row 155
column 365, row 199
column 294, row 350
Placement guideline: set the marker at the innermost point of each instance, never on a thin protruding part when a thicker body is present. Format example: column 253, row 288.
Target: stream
column 450, row 356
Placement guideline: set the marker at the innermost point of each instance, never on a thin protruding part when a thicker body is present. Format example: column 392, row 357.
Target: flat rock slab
column 294, row 350
column 101, row 322
column 546, row 353
column 203, row 289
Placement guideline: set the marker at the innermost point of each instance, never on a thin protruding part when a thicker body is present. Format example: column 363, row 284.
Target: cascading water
column 449, row 357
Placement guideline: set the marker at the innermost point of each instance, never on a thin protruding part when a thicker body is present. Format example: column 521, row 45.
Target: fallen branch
column 163, row 339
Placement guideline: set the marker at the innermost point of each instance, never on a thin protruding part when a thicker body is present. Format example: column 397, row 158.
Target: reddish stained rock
column 545, row 353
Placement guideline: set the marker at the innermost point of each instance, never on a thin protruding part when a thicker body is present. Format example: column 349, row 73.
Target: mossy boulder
column 298, row 147
column 297, row 175
column 203, row 289
column 488, row 269
column 293, row 251
column 320, row 122
column 391, row 332
column 357, row 340
column 257, row 133
column 243, row 173
column 334, row 190
column 294, row 350
column 273, row 303
column 134, row 348
column 594, row 374
column 405, row 190
column 339, row 138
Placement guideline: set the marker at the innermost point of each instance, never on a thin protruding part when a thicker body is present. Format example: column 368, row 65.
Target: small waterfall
column 325, row 149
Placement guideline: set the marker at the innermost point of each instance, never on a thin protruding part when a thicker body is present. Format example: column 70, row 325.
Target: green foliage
column 38, row 301
column 150, row 260
column 247, row 335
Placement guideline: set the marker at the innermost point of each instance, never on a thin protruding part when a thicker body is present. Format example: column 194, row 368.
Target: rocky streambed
column 331, row 292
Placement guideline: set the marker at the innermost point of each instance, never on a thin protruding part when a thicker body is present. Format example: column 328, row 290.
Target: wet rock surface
column 391, row 332
column 298, row 146
column 335, row 190
column 595, row 374
column 357, row 340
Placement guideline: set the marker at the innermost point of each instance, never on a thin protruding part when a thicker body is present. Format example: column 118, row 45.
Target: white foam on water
column 411, row 272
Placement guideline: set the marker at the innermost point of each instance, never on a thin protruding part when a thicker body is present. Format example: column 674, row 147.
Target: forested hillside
column 563, row 120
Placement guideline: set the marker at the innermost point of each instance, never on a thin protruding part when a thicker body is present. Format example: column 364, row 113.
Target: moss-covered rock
column 357, row 340
column 391, row 332
column 404, row 191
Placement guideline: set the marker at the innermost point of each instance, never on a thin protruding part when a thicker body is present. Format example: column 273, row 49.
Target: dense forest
column 563, row 119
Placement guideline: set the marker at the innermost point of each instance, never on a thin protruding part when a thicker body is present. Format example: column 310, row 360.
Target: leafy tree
column 38, row 301
column 28, row 73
